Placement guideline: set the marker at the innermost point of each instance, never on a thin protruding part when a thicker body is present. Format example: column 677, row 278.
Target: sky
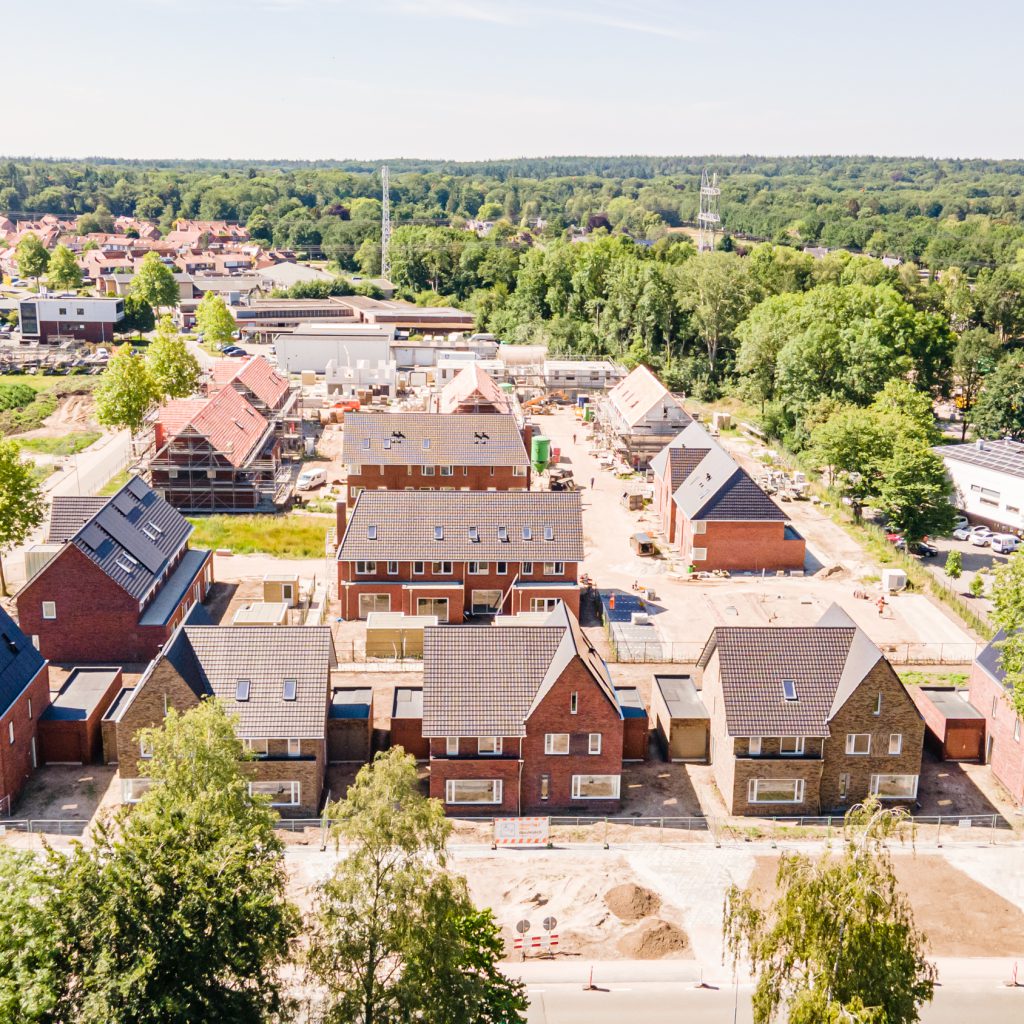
column 487, row 79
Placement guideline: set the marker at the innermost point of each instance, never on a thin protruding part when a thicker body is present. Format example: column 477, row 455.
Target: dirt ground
column 959, row 916
column 68, row 791
column 73, row 413
column 962, row 787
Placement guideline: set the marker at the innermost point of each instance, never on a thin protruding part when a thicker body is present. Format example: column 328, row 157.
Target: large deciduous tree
column 214, row 319
column 138, row 316
column 126, row 391
column 174, row 369
column 33, row 259
column 974, row 358
column 154, row 282
column 21, row 502
column 1008, row 612
column 999, row 409
column 838, row 942
column 63, row 271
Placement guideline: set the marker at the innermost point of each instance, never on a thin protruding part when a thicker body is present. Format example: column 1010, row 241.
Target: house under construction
column 267, row 390
column 218, row 454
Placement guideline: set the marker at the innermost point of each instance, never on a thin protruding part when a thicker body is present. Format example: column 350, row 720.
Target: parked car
column 980, row 536
column 962, row 532
column 311, row 478
column 923, row 549
column 960, row 523
column 234, row 350
column 1004, row 543
column 896, row 540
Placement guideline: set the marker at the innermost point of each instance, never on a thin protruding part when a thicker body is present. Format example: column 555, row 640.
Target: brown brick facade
column 420, row 478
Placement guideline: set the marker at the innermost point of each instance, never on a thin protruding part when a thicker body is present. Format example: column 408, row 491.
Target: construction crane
column 385, row 224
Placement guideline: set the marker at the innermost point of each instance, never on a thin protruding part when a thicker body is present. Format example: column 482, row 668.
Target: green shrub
column 14, row 396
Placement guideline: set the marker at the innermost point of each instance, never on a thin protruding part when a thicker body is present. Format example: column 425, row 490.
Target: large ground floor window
column 433, row 606
column 133, row 789
column 775, row 791
column 894, row 787
column 543, row 604
column 595, row 787
column 486, row 602
column 373, row 603
column 473, row 791
column 282, row 794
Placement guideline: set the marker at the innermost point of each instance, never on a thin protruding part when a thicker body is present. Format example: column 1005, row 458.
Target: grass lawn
column 69, row 444
column 285, row 536
column 114, row 484
column 37, row 381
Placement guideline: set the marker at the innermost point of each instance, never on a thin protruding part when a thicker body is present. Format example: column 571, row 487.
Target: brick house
column 24, row 696
column 990, row 694
column 458, row 553
column 270, row 393
column 808, row 719
column 520, row 719
column 710, row 509
column 276, row 680
column 426, row 451
column 217, row 454
column 122, row 580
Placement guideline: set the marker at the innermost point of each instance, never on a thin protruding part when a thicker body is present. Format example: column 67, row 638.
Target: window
column 438, row 533
column 519, row 471
column 258, row 747
column 525, row 568
column 488, row 745
column 789, row 689
column 417, row 568
column 370, row 603
column 549, row 533
column 844, row 785
column 543, row 604
column 700, row 554
column 574, row 702
column 754, row 746
column 858, row 743
column 1016, row 727
column 294, row 748
column 62, row 310
column 594, row 743
column 895, row 743
column 371, row 533
column 472, row 791
column 477, row 568
column 282, row 794
column 878, row 705
column 527, row 533
column 545, row 787
column 49, row 609
column 451, row 746
column 30, row 708
column 556, row 743
column 79, row 310
column 10, row 735
column 791, row 746
column 426, row 470
column 242, row 689
column 995, row 703
column 554, row 568
column 145, row 745
column 447, row 471
column 366, row 568
column 289, row 689
column 503, row 534
column 485, row 602
column 595, row 787
column 433, row 606
column 441, row 568
column 700, row 527
column 501, row 568
column 392, row 568
column 775, row 791
column 894, row 787
column 132, row 790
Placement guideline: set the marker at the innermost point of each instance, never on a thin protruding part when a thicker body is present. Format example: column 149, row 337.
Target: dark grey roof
column 134, row 537
column 482, row 681
column 68, row 513
column 405, row 523
column 1003, row 456
column 351, row 702
column 175, row 588
column 433, row 439
column 947, row 700
column 20, row 662
column 118, row 704
column 80, row 694
column 991, row 656
column 681, row 697
column 740, row 499
column 407, row 702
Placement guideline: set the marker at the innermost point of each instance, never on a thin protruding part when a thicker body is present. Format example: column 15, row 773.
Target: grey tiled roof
column 20, row 662
column 739, row 498
column 398, row 439
column 68, row 513
column 990, row 658
column 212, row 659
column 405, row 523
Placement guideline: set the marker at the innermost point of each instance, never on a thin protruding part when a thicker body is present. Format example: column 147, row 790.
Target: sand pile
column 631, row 902
column 654, row 940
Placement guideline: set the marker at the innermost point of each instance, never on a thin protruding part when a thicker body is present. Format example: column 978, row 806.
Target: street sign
column 511, row 832
column 523, row 926
column 549, row 924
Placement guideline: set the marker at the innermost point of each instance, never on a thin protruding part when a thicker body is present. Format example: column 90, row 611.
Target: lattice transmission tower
column 709, row 222
column 385, row 224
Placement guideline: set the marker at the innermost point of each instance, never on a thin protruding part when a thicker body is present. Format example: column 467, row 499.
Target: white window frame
column 257, row 747
column 368, row 568
column 478, row 568
column 493, row 742
column 754, row 786
column 1016, row 730
column 290, row 786
column 501, row 568
column 574, row 702
column 851, row 744
column 553, row 740
column 418, row 571
column 798, row 746
column 145, row 747
column 754, row 746
column 294, row 747
column 133, row 790
column 526, row 568
column 876, row 783
column 451, row 746
column 898, row 737
column 426, row 470
column 699, row 555
column 700, row 527
column 544, row 604
column 878, row 706
column 49, row 610
column 376, row 597
column 578, row 781
column 10, row 732
column 594, row 743
column 451, row 787
column 441, row 568
column 447, row 471
column 554, row 568
column 392, row 568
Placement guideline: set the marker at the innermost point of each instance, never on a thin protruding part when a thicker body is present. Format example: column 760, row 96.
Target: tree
column 761, row 336
column 173, row 368
column 138, row 316
column 177, row 911
column 154, row 282
column 999, row 410
column 1000, row 296
column 64, row 272
column 974, row 358
column 101, row 221
column 914, row 492
column 838, row 942
column 126, row 391
column 22, row 507
column 32, row 258
column 368, row 257
column 1008, row 613
column 954, row 565
column 214, row 320
column 395, row 936
column 977, row 586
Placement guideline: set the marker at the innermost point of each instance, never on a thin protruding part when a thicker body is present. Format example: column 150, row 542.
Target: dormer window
column 289, row 689
column 789, row 689
column 387, row 443
column 242, row 687
column 438, row 533
column 366, row 443
column 426, row 443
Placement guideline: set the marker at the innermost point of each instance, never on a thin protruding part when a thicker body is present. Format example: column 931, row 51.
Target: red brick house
column 712, row 511
column 521, row 719
column 121, row 582
column 808, row 719
column 275, row 680
column 459, row 553
column 990, row 694
column 425, row 451
column 24, row 696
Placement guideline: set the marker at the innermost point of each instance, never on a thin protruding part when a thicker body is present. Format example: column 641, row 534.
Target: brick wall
column 65, row 741
column 1004, row 753
column 16, row 758
column 407, row 733
column 471, row 478
column 743, row 546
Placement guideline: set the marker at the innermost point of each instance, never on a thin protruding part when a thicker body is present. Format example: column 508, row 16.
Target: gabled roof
column 230, row 424
column 405, row 524
column 825, row 662
column 990, row 658
column 432, row 439
column 637, row 395
column 255, row 374
column 480, row 681
column 134, row 537
column 68, row 513
column 20, row 662
column 212, row 660
column 473, row 384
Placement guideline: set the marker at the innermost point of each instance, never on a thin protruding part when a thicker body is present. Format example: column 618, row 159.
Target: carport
column 955, row 729
column 680, row 718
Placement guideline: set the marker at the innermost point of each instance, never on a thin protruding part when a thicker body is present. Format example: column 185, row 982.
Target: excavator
column 540, row 403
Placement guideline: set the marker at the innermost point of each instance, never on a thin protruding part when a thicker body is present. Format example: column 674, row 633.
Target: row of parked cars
column 983, row 537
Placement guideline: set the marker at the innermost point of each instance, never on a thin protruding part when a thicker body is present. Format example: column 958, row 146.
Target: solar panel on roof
column 131, row 539
column 124, row 502
column 137, row 486
column 92, row 536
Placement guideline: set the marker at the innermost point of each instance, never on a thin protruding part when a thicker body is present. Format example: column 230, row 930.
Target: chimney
column 980, row 444
column 341, row 516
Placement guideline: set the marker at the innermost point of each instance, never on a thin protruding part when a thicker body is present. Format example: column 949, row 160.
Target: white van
column 311, row 478
column 1004, row 543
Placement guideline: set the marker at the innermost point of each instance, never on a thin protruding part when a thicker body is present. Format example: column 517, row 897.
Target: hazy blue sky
column 470, row 79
